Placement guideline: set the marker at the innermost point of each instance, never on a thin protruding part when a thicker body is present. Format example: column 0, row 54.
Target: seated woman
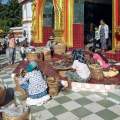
column 50, row 43
column 81, row 71
column 97, row 57
column 34, row 83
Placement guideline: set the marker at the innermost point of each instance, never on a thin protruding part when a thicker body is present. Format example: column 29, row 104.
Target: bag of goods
column 110, row 73
column 53, row 86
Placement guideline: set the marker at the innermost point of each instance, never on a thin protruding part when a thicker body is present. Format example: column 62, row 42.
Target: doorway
column 48, row 14
column 93, row 13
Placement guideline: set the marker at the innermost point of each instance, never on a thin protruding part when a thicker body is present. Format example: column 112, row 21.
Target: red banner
column 119, row 12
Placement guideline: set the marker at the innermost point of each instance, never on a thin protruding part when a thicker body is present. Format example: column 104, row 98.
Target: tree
column 10, row 15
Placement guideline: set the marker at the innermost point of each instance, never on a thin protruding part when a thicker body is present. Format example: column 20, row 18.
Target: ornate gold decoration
column 69, row 22
column 59, row 14
column 59, row 19
column 63, row 26
column 117, row 38
column 115, row 28
column 37, row 22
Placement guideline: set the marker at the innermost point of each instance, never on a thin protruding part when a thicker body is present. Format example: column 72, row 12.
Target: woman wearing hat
column 81, row 72
column 50, row 42
column 50, row 45
column 37, row 86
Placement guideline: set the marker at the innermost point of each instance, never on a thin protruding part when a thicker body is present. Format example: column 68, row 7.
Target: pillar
column 37, row 21
column 116, row 25
column 59, row 20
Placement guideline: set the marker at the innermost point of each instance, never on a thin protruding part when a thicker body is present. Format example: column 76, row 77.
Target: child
column 23, row 52
column 97, row 38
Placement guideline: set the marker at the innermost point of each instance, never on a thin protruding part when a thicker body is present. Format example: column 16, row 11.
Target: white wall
column 27, row 11
column 27, row 18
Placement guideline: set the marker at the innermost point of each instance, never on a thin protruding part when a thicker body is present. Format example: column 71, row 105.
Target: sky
column 4, row 1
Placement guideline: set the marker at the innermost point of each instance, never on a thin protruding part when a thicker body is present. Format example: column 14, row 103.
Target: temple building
column 69, row 20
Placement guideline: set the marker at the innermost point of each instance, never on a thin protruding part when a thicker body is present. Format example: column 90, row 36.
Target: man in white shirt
column 80, row 71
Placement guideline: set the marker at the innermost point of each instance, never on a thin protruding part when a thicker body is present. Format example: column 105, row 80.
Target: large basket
column 96, row 72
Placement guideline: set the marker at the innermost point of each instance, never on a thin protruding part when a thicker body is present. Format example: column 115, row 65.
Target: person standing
column 11, row 48
column 96, row 42
column 50, row 45
column 23, row 51
column 104, row 34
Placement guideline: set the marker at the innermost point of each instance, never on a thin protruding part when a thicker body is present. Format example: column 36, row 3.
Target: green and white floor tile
column 4, row 60
column 70, row 105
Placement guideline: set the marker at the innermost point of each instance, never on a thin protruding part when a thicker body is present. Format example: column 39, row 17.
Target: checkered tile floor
column 69, row 105
column 4, row 60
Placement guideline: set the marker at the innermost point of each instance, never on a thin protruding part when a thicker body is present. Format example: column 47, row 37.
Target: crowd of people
column 31, row 78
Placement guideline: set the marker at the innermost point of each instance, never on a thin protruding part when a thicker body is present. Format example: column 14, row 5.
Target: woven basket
column 96, row 72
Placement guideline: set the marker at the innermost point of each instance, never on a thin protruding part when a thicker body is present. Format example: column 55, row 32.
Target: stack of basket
column 59, row 49
column 96, row 72
column 32, row 56
column 53, row 86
